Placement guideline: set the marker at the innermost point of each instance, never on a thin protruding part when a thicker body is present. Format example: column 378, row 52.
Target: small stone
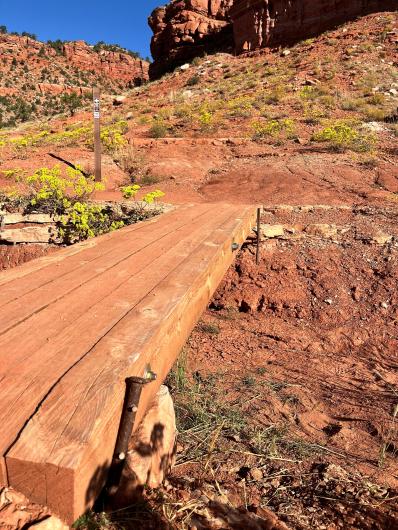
column 328, row 301
column 256, row 474
column 196, row 494
column 325, row 231
column 119, row 100
column 272, row 230
column 381, row 238
column 384, row 305
column 185, row 67
column 52, row 523
column 184, row 495
column 285, row 53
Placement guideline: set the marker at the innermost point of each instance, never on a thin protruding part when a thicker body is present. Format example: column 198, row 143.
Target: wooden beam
column 62, row 459
column 51, row 346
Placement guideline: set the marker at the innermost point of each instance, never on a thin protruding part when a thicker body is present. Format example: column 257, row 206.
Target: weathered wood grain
column 52, row 346
column 29, row 373
column 71, row 387
column 43, row 270
column 108, row 264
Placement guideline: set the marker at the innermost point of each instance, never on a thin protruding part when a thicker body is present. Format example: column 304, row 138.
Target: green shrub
column 341, row 136
column 313, row 113
column 83, row 221
column 72, row 102
column 147, row 179
column 64, row 198
column 274, row 96
column 273, row 128
column 194, row 80
column 158, row 130
column 112, row 137
column 373, row 113
column 53, row 192
column 352, row 104
column 241, row 106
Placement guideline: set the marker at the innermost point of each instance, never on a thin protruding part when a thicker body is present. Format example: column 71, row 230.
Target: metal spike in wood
column 97, row 134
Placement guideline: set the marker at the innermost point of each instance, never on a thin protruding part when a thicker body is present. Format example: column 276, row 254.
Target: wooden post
column 258, row 235
column 97, row 134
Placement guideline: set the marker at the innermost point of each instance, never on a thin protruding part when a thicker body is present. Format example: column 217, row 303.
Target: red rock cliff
column 187, row 28
column 31, row 63
column 113, row 65
column 261, row 23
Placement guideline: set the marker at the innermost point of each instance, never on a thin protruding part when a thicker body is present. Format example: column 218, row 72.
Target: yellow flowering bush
column 83, row 221
column 54, row 192
column 273, row 128
column 65, row 198
column 130, row 192
column 341, row 136
column 241, row 106
column 112, row 137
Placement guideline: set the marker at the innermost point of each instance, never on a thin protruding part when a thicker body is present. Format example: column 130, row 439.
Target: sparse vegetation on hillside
column 48, row 80
column 265, row 423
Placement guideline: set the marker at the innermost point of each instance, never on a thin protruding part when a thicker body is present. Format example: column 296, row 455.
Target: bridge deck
column 75, row 324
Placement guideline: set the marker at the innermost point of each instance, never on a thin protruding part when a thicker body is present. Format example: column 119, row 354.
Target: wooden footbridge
column 75, row 324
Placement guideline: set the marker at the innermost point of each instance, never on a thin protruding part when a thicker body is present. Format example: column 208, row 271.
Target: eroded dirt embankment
column 13, row 255
column 305, row 344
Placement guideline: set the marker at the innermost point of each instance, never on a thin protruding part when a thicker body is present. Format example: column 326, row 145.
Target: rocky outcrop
column 188, row 28
column 31, row 62
column 114, row 65
column 267, row 23
column 184, row 29
column 17, row 513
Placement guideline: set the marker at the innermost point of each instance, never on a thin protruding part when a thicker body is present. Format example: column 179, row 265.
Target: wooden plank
column 102, row 270
column 67, row 462
column 45, row 328
column 28, row 377
column 42, row 271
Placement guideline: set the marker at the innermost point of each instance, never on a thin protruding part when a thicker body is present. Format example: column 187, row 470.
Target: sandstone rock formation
column 184, row 29
column 39, row 65
column 18, row 513
column 115, row 65
column 262, row 23
column 188, row 28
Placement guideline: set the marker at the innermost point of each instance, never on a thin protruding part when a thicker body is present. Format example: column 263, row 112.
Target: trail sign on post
column 97, row 134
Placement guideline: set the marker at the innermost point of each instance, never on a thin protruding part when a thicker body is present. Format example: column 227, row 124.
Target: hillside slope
column 243, row 127
column 286, row 392
column 34, row 75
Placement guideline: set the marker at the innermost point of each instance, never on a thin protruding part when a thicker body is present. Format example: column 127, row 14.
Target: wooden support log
column 63, row 459
column 130, row 262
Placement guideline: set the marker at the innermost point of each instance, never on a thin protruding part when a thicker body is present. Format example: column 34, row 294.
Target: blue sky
column 121, row 22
